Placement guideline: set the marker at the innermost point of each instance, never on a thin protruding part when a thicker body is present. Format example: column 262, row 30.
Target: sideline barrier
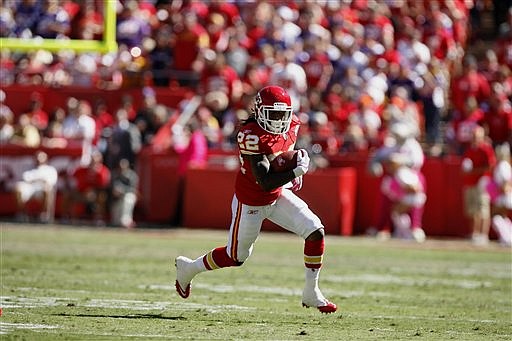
column 367, row 190
column 208, row 195
column 158, row 186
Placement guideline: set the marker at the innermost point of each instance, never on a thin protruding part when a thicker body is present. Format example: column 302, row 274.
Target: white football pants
column 122, row 209
column 288, row 211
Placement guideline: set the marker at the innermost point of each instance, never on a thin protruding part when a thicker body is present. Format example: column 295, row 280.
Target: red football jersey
column 252, row 139
column 88, row 179
column 481, row 156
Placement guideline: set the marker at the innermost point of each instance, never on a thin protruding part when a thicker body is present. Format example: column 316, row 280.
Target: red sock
column 313, row 253
column 218, row 258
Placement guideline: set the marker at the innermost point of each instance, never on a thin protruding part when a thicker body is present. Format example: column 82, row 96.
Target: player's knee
column 316, row 235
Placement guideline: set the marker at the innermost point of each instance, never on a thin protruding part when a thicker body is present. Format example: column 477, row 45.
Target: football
column 284, row 162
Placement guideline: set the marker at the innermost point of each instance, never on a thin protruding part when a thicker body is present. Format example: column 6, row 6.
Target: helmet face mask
column 273, row 109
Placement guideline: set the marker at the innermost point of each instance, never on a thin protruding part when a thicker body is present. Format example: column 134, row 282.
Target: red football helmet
column 273, row 108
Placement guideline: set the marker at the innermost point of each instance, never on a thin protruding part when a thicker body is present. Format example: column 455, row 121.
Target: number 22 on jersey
column 247, row 142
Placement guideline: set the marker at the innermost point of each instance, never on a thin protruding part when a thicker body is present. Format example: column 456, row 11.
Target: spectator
column 405, row 188
column 26, row 16
column 102, row 117
column 80, row 128
column 8, row 67
column 38, row 117
column 217, row 76
column 237, row 56
column 498, row 118
column 499, row 188
column 88, row 185
column 84, row 72
column 131, row 28
column 289, row 75
column 37, row 183
column 209, row 126
column 191, row 38
column 367, row 120
column 217, row 32
column 87, row 23
column 401, row 149
column 478, row 161
column 6, row 120
column 191, row 145
column 161, row 57
column 7, row 23
column 146, row 117
column 469, row 83
column 323, row 140
column 25, row 133
column 431, row 95
column 124, row 141
column 54, row 135
column 464, row 125
column 128, row 105
column 124, row 192
column 317, row 66
column 54, row 21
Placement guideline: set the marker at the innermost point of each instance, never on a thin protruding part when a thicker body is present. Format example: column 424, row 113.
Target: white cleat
column 184, row 275
column 418, row 234
column 315, row 299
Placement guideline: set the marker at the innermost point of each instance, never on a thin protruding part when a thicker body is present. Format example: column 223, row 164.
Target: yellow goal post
column 108, row 44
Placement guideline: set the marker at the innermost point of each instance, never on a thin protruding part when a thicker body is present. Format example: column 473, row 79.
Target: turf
column 79, row 283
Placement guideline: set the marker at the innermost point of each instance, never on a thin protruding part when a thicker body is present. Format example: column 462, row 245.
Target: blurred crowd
column 352, row 66
column 354, row 69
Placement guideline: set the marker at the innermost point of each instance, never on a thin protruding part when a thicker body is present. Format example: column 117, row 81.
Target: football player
column 262, row 194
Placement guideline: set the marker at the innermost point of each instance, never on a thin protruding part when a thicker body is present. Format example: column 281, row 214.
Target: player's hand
column 297, row 183
column 302, row 163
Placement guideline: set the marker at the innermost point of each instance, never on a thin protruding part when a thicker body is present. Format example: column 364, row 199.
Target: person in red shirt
column 217, row 75
column 88, row 185
column 217, row 32
column 38, row 117
column 464, row 125
column 190, row 40
column 469, row 83
column 318, row 67
column 103, row 119
column 478, row 161
column 498, row 119
column 228, row 10
column 260, row 193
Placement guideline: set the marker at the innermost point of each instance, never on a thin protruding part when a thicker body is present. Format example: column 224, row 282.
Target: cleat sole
column 326, row 309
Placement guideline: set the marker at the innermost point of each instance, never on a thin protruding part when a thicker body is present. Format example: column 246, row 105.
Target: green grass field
column 80, row 283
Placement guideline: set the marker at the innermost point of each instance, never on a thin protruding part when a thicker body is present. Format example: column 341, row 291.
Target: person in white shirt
column 37, row 183
column 80, row 126
column 290, row 76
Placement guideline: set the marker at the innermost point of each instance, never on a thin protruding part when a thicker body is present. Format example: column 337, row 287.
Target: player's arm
column 268, row 180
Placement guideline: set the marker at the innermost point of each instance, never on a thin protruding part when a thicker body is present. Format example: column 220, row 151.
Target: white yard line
column 11, row 302
column 6, row 327
column 387, row 279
